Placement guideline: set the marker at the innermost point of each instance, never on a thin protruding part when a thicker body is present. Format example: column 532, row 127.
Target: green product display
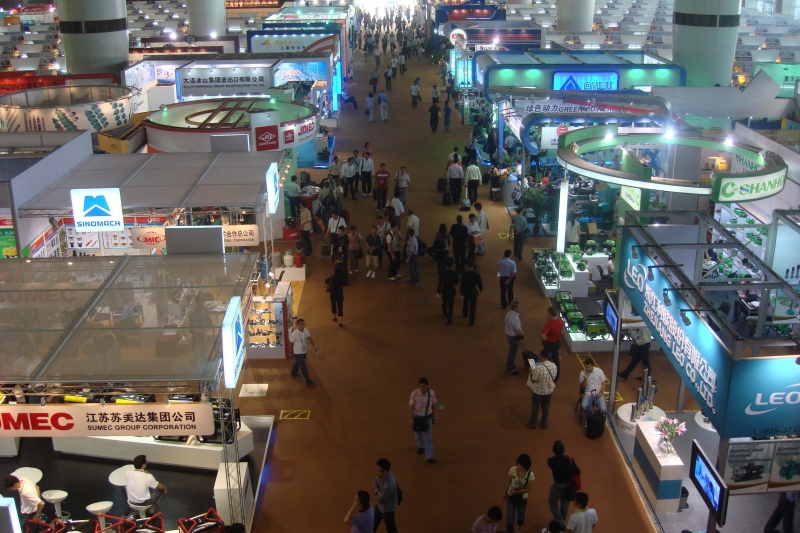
column 564, row 296
column 595, row 326
column 567, row 307
column 575, row 322
column 8, row 244
column 582, row 266
column 740, row 212
column 763, row 231
column 750, row 220
column 577, row 257
column 734, row 220
column 574, row 249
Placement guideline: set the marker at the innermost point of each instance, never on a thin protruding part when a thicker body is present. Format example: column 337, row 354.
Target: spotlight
column 650, row 276
column 43, row 402
column 667, row 301
column 728, row 141
column 609, row 137
column 669, row 134
column 685, row 318
column 213, row 35
column 633, row 252
column 53, row 222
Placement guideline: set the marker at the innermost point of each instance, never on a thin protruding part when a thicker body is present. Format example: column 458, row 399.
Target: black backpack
column 422, row 248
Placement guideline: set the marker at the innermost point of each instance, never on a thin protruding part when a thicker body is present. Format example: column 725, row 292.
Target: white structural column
column 206, row 17
column 704, row 35
column 95, row 37
column 575, row 15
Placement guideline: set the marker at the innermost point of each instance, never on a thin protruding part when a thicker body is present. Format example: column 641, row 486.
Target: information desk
column 200, row 455
column 660, row 477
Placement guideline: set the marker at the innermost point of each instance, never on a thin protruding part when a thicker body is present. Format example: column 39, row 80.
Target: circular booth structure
column 193, row 126
column 69, row 108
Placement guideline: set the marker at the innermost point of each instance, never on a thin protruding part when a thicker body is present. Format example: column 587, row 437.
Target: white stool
column 55, row 497
column 141, row 509
column 99, row 508
column 34, row 475
column 117, row 477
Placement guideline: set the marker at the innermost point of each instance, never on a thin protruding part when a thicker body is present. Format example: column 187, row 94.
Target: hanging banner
column 785, row 475
column 264, row 126
column 147, row 238
column 748, row 466
column 240, row 235
column 113, row 420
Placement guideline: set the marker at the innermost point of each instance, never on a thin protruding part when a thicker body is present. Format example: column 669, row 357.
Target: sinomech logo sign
column 97, row 210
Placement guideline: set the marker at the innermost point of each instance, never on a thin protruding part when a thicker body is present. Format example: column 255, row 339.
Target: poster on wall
column 165, row 73
column 748, row 466
column 139, row 76
column 148, row 238
column 300, row 71
column 234, row 80
column 93, row 117
column 8, row 243
column 550, row 135
column 785, row 475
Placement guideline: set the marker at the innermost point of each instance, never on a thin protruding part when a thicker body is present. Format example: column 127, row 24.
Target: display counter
column 660, row 477
column 553, row 275
column 200, row 455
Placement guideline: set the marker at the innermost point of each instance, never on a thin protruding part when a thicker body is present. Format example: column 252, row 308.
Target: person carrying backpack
column 393, row 250
column 412, row 248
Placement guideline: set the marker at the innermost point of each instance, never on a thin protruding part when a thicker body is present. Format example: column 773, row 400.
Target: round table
column 117, row 477
column 33, row 475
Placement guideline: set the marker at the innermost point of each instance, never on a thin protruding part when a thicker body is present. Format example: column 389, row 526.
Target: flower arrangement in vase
column 668, row 428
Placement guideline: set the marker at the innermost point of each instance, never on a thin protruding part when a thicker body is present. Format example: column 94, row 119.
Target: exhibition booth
column 67, row 108
column 574, row 268
column 743, row 440
column 111, row 359
column 575, row 70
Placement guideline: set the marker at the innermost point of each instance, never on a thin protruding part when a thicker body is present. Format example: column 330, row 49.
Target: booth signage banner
column 113, row 420
column 233, row 348
column 767, row 398
column 584, row 80
column 740, row 163
column 240, row 235
column 97, row 210
column 732, row 188
column 231, row 80
column 748, row 466
column 785, row 475
column 560, row 106
column 273, row 188
column 300, row 71
column 550, row 136
column 148, row 238
column 264, row 128
column 260, row 43
column 693, row 350
column 93, row 117
column 632, row 196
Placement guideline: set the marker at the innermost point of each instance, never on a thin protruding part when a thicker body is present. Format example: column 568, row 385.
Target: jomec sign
column 94, row 420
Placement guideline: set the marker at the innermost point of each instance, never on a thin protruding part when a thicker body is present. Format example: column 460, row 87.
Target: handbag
column 573, row 483
column 421, row 422
column 519, row 497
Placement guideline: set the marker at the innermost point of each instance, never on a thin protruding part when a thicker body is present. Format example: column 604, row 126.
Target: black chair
column 603, row 280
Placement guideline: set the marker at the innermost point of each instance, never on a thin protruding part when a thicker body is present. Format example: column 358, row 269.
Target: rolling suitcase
column 466, row 204
column 326, row 248
column 595, row 425
column 447, row 198
column 441, row 185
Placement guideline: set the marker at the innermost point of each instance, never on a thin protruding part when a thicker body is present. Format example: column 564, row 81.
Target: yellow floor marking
column 582, row 356
column 505, row 236
column 295, row 415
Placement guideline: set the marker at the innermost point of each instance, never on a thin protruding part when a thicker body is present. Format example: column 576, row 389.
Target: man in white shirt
column 367, row 171
column 594, row 381
column 140, row 485
column 394, row 66
column 403, row 182
column 453, row 155
column 294, row 191
column 483, row 223
column 420, row 410
column 455, row 178
column 334, row 223
column 397, row 205
column 412, row 222
column 30, row 502
column 608, row 270
column 414, row 93
column 583, row 519
column 349, row 171
column 300, row 339
column 473, row 178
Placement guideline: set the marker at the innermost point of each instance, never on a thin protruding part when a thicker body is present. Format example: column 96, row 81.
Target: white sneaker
column 369, row 274
column 350, row 272
column 356, row 270
column 373, row 274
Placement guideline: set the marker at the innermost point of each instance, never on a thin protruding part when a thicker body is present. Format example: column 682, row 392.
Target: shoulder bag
column 519, row 497
column 421, row 422
column 573, row 483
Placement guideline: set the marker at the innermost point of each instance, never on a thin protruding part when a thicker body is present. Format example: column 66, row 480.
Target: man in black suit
column 448, row 280
column 460, row 235
column 471, row 287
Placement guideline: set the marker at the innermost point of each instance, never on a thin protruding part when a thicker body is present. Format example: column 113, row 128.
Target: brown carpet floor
column 396, row 333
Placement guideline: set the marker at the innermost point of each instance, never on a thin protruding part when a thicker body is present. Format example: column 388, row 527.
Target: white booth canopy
column 153, row 181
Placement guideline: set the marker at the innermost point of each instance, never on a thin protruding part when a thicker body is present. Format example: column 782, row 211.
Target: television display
column 709, row 484
column 611, row 317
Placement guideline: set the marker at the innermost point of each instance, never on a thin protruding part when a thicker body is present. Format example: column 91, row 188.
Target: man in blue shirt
column 383, row 104
column 508, row 273
column 519, row 225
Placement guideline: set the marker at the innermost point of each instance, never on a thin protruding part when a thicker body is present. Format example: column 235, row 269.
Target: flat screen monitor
column 611, row 317
column 709, row 484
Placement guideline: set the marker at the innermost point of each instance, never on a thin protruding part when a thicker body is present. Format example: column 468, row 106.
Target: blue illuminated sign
column 766, row 402
column 694, row 351
column 584, row 80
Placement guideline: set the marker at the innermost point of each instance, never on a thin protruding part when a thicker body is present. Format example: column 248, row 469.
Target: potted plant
column 537, row 201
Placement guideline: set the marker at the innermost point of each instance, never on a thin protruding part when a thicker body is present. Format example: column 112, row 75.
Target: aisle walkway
column 396, row 333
